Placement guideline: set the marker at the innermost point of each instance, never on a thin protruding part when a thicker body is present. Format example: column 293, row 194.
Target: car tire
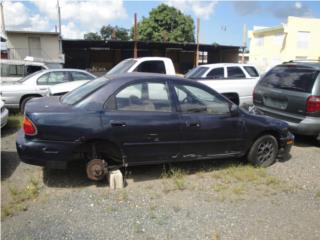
column 264, row 151
column 23, row 104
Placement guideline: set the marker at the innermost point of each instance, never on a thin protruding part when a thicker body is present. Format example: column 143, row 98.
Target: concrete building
column 298, row 39
column 43, row 46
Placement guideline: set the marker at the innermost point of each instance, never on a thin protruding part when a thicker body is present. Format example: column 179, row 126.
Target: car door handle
column 153, row 137
column 117, row 124
column 192, row 124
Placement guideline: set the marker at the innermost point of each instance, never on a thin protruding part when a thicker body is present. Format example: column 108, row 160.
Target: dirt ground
column 222, row 199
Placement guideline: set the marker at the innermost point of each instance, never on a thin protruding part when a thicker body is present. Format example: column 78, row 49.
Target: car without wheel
column 141, row 118
column 291, row 92
column 16, row 94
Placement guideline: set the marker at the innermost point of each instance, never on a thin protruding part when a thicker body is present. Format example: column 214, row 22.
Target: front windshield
column 122, row 67
column 196, row 72
column 83, row 91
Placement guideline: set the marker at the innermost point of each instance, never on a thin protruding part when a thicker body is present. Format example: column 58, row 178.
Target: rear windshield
column 291, row 78
column 251, row 71
column 122, row 67
column 83, row 91
column 196, row 72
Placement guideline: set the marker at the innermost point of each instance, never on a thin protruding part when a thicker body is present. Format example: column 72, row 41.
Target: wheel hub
column 96, row 169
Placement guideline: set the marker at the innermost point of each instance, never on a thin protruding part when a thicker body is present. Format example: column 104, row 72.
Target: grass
column 318, row 195
column 178, row 177
column 14, row 121
column 20, row 197
column 238, row 180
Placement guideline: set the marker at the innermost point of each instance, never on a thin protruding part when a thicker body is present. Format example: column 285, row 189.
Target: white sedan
column 16, row 94
column 4, row 114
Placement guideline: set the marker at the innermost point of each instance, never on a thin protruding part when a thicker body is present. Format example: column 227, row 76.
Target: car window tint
column 196, row 100
column 58, row 77
column 43, row 80
column 235, row 72
column 251, row 71
column 31, row 69
column 216, row 73
column 81, row 76
column 146, row 97
column 151, row 67
column 291, row 78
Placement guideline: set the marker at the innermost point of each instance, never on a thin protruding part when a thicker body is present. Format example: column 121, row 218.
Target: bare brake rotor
column 96, row 169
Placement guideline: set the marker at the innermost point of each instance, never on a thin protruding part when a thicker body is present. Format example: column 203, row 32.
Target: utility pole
column 3, row 26
column 244, row 41
column 59, row 20
column 197, row 51
column 135, row 37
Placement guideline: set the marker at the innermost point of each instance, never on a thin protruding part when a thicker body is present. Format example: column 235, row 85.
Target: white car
column 16, row 94
column 4, row 114
column 161, row 65
column 234, row 80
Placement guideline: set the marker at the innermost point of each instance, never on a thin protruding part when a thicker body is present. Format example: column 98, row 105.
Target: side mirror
column 234, row 110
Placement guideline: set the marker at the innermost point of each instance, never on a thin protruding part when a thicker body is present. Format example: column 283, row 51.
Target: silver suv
column 291, row 92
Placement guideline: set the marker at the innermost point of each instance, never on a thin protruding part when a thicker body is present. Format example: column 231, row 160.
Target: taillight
column 28, row 127
column 254, row 94
column 313, row 104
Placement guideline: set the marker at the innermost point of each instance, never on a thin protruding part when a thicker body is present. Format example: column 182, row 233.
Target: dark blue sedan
column 137, row 119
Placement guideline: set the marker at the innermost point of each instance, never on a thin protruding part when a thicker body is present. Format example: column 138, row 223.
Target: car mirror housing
column 234, row 110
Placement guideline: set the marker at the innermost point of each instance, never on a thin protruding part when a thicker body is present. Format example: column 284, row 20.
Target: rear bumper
column 303, row 125
column 286, row 144
column 51, row 154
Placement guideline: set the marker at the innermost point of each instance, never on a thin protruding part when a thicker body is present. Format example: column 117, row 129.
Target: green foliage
column 92, row 36
column 166, row 24
column 109, row 32
column 120, row 33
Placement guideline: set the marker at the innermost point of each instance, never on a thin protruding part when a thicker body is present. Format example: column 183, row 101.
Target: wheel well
column 270, row 132
column 104, row 149
column 233, row 96
column 26, row 96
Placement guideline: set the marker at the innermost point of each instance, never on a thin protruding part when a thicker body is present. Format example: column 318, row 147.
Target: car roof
column 149, row 58
column 315, row 65
column 225, row 65
column 21, row 62
column 62, row 69
column 128, row 77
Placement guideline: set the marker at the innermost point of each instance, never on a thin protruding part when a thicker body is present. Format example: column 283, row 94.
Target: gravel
column 151, row 207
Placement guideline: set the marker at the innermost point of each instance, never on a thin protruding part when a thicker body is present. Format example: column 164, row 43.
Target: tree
column 166, row 24
column 92, row 36
column 116, row 33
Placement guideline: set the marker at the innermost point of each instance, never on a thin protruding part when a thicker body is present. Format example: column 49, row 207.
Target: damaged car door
column 141, row 119
column 211, row 128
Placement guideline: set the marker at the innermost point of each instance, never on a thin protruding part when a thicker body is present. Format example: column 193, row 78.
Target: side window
column 235, row 72
column 58, row 77
column 81, row 76
column 43, row 80
column 151, row 67
column 216, row 73
column 251, row 71
column 145, row 97
column 31, row 69
column 11, row 70
column 196, row 100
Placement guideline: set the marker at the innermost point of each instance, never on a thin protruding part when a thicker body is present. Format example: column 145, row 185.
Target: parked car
column 17, row 94
column 291, row 92
column 136, row 119
column 235, row 81
column 14, row 70
column 161, row 65
column 4, row 114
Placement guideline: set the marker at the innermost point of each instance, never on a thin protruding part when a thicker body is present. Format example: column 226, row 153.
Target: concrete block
column 115, row 179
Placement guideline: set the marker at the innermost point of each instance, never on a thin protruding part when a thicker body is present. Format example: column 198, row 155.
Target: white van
column 13, row 70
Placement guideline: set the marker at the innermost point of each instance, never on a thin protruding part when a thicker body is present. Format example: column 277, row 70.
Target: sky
column 221, row 21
